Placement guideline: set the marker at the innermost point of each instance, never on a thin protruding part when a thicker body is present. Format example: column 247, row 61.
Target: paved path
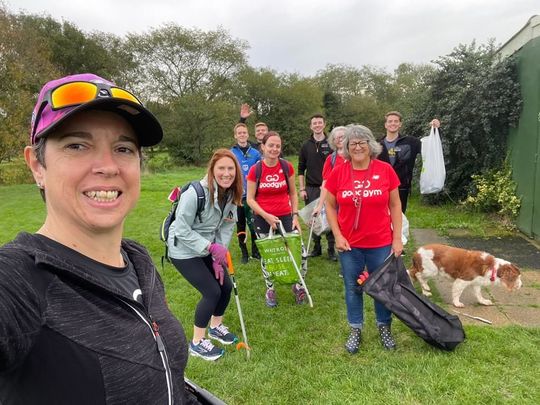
column 521, row 307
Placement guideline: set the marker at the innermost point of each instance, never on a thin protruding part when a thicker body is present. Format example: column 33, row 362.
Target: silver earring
column 39, row 185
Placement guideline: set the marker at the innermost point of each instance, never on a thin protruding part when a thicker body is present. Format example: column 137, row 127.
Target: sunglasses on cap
column 76, row 93
column 80, row 92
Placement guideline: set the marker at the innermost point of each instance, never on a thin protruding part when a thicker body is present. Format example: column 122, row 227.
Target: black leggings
column 199, row 273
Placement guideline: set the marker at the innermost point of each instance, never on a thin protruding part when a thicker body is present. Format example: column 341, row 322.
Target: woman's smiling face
column 272, row 147
column 92, row 172
column 225, row 172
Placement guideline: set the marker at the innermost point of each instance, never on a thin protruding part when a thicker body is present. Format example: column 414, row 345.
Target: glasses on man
column 362, row 144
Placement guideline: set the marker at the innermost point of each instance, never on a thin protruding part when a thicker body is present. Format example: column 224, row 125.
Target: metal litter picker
column 281, row 231
column 243, row 344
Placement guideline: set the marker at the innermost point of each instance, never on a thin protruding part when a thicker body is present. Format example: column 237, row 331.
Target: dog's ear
column 508, row 272
column 515, row 268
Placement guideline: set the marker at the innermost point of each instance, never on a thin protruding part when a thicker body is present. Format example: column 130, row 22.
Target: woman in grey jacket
column 198, row 249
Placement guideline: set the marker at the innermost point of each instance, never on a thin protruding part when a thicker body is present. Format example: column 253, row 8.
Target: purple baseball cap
column 45, row 119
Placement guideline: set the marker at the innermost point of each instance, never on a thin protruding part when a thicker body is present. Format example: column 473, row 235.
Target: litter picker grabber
column 309, row 239
column 243, row 344
column 281, row 231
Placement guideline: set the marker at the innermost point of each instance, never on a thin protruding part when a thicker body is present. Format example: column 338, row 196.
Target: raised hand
column 245, row 111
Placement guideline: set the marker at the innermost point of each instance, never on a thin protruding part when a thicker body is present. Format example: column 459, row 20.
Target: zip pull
column 159, row 341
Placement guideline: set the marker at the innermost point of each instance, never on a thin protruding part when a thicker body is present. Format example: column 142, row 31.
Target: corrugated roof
column 530, row 31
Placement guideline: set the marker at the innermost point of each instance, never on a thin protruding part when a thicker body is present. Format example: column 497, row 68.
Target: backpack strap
column 333, row 159
column 258, row 174
column 285, row 167
column 201, row 198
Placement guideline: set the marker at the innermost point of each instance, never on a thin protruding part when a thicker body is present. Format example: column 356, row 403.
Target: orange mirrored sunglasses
column 76, row 93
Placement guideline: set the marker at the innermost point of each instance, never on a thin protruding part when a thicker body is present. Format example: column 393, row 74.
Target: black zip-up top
column 407, row 148
column 311, row 160
column 68, row 338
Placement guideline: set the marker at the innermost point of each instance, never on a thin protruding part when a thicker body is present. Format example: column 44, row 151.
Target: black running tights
column 215, row 298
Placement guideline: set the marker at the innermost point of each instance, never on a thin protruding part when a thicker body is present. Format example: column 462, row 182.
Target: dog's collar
column 493, row 274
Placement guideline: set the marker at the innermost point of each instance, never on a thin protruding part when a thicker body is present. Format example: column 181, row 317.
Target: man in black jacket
column 401, row 151
column 310, row 164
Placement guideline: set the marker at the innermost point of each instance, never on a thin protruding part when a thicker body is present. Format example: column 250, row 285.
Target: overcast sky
column 305, row 35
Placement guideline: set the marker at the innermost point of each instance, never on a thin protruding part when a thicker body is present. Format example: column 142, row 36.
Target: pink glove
column 218, row 271
column 219, row 253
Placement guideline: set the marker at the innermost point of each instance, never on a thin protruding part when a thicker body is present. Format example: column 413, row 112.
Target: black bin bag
column 390, row 284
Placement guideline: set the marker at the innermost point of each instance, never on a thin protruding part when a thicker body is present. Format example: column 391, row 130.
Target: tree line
column 195, row 80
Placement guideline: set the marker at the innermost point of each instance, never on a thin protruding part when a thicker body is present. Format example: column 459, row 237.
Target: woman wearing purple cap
column 83, row 318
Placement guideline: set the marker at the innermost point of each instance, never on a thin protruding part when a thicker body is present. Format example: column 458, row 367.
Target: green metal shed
column 524, row 140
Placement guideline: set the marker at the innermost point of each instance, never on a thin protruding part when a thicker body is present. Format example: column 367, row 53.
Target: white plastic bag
column 404, row 229
column 306, row 212
column 433, row 171
column 319, row 223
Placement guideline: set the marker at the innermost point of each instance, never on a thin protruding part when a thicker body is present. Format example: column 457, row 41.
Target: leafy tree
column 478, row 98
column 341, row 80
column 411, row 83
column 174, row 62
column 340, row 84
column 284, row 102
column 194, row 127
column 24, row 66
column 257, row 87
column 297, row 99
column 364, row 95
column 73, row 51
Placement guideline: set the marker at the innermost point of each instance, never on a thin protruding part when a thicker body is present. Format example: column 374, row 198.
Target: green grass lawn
column 297, row 351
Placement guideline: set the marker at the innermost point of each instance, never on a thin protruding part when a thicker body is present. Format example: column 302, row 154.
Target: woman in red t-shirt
column 272, row 200
column 367, row 226
column 335, row 159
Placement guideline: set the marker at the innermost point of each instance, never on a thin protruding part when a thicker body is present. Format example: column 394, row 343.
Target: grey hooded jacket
column 190, row 237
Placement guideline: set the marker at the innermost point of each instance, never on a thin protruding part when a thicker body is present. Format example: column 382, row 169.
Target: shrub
column 158, row 162
column 495, row 191
column 15, row 172
column 477, row 98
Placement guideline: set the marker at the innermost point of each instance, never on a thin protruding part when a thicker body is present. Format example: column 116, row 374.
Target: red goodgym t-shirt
column 366, row 192
column 273, row 194
column 327, row 168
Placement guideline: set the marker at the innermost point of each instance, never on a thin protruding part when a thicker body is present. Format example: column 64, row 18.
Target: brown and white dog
column 465, row 267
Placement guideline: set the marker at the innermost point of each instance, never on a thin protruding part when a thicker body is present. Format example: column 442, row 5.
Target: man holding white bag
column 401, row 151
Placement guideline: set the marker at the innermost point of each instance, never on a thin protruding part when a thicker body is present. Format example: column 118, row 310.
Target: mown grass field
column 297, row 351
